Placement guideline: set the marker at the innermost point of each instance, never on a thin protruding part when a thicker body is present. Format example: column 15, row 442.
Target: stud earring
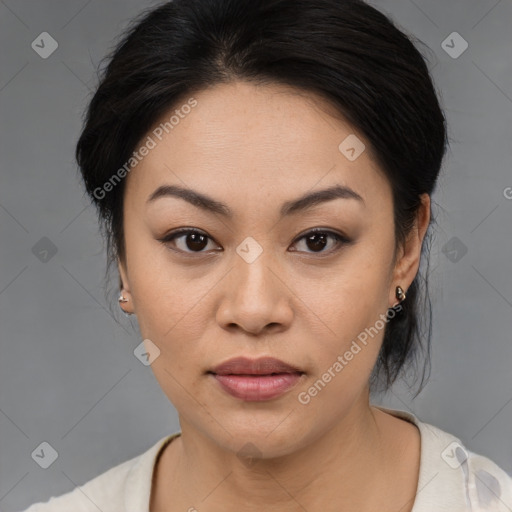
column 123, row 299
column 400, row 295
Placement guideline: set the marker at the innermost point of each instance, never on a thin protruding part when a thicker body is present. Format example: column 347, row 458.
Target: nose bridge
column 254, row 268
column 254, row 297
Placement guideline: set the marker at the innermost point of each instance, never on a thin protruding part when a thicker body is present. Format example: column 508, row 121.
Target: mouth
column 256, row 380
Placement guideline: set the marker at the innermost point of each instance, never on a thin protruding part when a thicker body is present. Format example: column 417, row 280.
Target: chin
column 262, row 434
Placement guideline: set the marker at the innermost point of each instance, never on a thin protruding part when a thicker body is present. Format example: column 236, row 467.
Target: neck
column 346, row 463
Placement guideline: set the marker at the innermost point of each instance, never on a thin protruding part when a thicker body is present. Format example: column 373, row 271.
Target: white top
column 451, row 479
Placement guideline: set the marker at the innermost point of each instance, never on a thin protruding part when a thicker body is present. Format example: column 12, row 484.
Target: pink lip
column 256, row 379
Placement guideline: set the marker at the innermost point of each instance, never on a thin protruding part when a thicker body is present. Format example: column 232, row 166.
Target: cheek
column 174, row 317
column 177, row 327
column 347, row 298
column 343, row 360
column 347, row 315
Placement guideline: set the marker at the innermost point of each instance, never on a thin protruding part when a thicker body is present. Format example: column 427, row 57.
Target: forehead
column 259, row 141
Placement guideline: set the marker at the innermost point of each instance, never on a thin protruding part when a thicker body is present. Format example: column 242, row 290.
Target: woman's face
column 258, row 282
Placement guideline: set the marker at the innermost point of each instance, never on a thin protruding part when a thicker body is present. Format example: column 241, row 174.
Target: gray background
column 68, row 375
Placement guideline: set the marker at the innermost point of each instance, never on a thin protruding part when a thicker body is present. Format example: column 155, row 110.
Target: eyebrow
column 295, row 206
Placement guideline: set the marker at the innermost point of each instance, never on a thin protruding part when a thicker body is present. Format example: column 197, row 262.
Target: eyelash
column 340, row 240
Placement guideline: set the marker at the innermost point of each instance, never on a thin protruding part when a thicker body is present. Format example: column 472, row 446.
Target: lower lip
column 257, row 388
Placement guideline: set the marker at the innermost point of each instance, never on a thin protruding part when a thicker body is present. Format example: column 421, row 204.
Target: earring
column 400, row 294
column 123, row 299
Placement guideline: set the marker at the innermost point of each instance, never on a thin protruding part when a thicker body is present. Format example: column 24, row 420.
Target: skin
column 253, row 147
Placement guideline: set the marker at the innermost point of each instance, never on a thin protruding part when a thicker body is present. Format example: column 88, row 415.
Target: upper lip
column 260, row 366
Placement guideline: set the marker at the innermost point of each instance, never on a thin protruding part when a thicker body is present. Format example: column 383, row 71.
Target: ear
column 125, row 287
column 123, row 275
column 408, row 263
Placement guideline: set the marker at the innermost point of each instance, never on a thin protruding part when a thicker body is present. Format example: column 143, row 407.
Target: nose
column 255, row 298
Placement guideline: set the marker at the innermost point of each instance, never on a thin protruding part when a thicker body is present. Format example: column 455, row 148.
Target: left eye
column 318, row 240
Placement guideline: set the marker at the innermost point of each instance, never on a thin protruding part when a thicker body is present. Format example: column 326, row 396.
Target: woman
column 263, row 172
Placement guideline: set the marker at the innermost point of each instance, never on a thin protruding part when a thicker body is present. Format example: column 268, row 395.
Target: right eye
column 186, row 240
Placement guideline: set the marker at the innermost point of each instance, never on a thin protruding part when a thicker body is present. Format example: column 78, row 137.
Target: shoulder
column 489, row 486
column 470, row 476
column 104, row 492
column 128, row 482
column 453, row 478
